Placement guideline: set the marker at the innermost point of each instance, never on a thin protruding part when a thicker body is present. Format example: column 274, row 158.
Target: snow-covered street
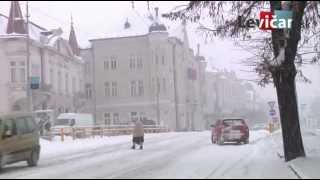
column 167, row 155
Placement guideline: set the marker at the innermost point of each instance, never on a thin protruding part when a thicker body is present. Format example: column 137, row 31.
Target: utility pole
column 158, row 87
column 158, row 100
column 94, row 84
column 29, row 91
column 175, row 85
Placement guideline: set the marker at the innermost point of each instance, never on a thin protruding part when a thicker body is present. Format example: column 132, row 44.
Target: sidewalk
column 309, row 167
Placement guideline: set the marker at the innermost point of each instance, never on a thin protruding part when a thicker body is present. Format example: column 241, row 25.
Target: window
column 157, row 59
column 59, row 82
column 140, row 63
column 13, row 75
column 106, row 89
column 11, row 126
column 12, row 64
column 116, row 118
column 22, row 75
column 133, row 88
column 22, row 126
column 141, row 88
column 88, row 91
column 67, row 83
column 113, row 63
column 30, row 124
column 114, row 89
column 132, row 64
column 17, row 72
column 163, row 60
column 107, row 119
column 106, row 65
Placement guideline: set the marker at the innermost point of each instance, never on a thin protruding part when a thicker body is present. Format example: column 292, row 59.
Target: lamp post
column 28, row 88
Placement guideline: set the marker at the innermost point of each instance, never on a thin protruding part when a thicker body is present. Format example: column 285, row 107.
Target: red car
column 230, row 130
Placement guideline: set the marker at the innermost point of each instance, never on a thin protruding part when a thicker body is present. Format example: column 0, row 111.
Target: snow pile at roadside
column 258, row 135
column 306, row 167
column 70, row 146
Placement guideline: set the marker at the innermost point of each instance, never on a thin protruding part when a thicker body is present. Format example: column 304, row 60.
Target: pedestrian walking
column 138, row 135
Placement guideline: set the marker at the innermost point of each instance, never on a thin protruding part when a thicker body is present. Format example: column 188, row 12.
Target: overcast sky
column 96, row 18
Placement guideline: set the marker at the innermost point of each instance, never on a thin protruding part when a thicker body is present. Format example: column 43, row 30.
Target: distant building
column 227, row 96
column 145, row 71
column 53, row 59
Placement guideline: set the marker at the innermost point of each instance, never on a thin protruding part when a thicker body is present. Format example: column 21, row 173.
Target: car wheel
column 212, row 140
column 1, row 163
column 221, row 141
column 34, row 158
column 246, row 142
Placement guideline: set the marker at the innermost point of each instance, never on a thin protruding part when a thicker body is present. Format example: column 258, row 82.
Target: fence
column 101, row 131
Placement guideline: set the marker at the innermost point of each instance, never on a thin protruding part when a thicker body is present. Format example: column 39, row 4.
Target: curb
column 291, row 166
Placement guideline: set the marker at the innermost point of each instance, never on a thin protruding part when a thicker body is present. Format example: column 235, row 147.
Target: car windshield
column 233, row 122
column 62, row 122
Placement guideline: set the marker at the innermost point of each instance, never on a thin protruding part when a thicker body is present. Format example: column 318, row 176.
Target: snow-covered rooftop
column 34, row 30
column 139, row 25
column 3, row 24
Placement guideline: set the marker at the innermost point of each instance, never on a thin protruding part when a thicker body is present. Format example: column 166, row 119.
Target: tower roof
column 157, row 26
column 16, row 23
column 73, row 41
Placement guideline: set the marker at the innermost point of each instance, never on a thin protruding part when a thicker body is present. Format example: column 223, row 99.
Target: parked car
column 74, row 120
column 230, row 130
column 19, row 139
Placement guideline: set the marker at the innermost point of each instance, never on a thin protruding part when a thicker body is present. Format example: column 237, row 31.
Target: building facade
column 148, row 75
column 53, row 60
column 227, row 96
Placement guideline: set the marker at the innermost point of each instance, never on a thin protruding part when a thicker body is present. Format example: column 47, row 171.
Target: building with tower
column 145, row 71
column 54, row 60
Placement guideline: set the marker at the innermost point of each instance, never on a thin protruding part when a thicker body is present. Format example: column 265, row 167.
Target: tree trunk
column 288, row 106
column 284, row 80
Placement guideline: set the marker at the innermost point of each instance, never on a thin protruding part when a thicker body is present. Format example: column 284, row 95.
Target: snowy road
column 171, row 155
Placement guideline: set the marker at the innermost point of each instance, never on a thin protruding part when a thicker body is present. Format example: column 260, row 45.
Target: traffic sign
column 35, row 82
column 272, row 104
column 272, row 112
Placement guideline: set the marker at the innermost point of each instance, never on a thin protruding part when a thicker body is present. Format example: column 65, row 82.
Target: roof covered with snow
column 3, row 24
column 34, row 30
column 137, row 25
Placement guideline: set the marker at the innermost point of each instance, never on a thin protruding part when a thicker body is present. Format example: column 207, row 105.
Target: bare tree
column 298, row 46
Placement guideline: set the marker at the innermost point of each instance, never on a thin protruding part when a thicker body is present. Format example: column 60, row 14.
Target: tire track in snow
column 18, row 172
column 159, row 161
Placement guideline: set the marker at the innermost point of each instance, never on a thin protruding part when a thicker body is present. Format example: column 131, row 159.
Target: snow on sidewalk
column 306, row 167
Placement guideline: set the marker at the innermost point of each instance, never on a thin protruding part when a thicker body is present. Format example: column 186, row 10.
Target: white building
column 144, row 71
column 52, row 59
column 227, row 96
